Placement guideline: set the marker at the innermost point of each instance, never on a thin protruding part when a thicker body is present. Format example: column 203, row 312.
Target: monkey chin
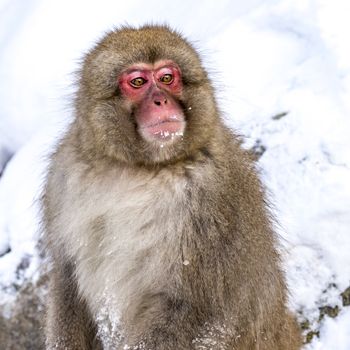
column 164, row 133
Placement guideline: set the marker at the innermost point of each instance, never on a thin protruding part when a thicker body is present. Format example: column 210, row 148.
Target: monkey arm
column 159, row 320
column 69, row 324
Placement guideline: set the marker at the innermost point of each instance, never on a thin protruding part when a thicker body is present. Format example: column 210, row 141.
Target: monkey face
column 144, row 97
column 153, row 92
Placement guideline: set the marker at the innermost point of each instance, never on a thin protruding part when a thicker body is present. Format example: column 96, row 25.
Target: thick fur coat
column 162, row 248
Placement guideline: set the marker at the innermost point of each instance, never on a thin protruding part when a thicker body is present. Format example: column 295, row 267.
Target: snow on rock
column 5, row 155
column 20, row 190
column 334, row 334
column 290, row 97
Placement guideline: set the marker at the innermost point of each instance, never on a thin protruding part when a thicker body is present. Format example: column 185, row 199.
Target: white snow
column 20, row 191
column 266, row 57
column 334, row 334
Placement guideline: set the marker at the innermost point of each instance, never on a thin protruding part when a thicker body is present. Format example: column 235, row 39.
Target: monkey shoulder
column 228, row 169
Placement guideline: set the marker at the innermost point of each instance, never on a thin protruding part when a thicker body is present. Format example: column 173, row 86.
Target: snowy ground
column 282, row 72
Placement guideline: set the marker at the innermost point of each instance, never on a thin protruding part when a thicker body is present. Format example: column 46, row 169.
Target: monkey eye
column 138, row 82
column 166, row 78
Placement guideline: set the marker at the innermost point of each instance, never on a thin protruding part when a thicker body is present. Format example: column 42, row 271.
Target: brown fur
column 176, row 242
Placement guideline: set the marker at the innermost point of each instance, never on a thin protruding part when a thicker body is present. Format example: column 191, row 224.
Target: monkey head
column 144, row 98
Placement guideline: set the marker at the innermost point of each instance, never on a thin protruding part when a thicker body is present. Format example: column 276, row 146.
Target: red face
column 154, row 90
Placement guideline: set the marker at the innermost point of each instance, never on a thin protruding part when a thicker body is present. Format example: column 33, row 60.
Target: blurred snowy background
column 282, row 73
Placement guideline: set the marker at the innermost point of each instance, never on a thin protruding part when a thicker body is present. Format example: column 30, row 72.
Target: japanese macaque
column 155, row 219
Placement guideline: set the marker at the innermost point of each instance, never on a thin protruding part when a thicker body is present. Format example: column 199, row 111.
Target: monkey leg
column 160, row 322
column 68, row 325
column 281, row 335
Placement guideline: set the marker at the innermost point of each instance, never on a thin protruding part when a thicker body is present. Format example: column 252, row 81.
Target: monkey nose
column 160, row 100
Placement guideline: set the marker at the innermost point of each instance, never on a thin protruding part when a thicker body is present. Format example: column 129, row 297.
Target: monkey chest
column 122, row 238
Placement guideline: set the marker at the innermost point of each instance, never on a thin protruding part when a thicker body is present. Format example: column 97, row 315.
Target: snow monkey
column 155, row 220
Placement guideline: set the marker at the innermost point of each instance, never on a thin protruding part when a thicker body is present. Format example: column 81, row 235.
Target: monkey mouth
column 164, row 130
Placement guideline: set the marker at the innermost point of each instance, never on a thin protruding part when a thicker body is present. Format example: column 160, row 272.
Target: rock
column 21, row 323
column 346, row 297
column 310, row 336
column 329, row 311
column 258, row 149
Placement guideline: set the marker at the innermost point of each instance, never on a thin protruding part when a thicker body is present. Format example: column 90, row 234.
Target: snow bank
column 20, row 191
